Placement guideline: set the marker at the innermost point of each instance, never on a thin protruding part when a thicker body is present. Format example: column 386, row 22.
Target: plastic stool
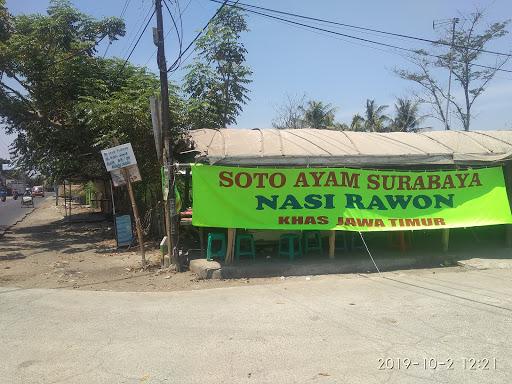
column 312, row 241
column 287, row 245
column 250, row 251
column 221, row 252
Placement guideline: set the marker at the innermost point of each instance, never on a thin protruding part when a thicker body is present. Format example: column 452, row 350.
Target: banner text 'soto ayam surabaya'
column 347, row 199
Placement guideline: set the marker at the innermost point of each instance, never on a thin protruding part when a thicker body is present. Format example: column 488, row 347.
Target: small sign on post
column 121, row 163
column 124, row 230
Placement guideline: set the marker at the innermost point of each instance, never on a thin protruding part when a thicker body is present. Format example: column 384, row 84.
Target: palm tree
column 375, row 119
column 318, row 115
column 406, row 116
column 357, row 123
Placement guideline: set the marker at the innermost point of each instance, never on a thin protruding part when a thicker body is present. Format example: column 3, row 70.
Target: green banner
column 347, row 199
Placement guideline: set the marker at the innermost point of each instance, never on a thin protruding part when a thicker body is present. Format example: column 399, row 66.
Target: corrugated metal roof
column 320, row 147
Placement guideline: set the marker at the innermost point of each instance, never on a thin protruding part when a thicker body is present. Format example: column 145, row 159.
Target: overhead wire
column 178, row 34
column 174, row 66
column 136, row 43
column 401, row 35
column 354, row 37
column 123, row 11
column 133, row 37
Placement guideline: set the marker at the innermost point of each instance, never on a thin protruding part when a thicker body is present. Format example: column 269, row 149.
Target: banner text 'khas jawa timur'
column 347, row 199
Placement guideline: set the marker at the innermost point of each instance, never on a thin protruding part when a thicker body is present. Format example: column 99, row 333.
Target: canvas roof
column 321, row 147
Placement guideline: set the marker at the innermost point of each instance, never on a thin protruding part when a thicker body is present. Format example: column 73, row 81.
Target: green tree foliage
column 375, row 119
column 357, row 123
column 47, row 64
column 217, row 80
column 470, row 38
column 318, row 114
column 406, row 117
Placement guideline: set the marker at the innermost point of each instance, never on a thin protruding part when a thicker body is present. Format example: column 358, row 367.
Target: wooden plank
column 332, row 244
column 230, row 251
column 445, row 238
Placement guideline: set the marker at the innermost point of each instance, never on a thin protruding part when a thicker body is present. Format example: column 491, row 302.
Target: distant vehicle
column 38, row 190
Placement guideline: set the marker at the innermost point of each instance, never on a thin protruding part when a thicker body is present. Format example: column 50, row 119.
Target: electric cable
column 358, row 38
column 175, row 65
column 136, row 43
column 405, row 36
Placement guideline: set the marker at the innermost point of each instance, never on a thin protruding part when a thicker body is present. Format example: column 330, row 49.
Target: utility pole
column 170, row 200
column 453, row 21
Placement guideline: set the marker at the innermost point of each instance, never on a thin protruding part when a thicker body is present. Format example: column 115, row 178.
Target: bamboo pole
column 332, row 243
column 135, row 210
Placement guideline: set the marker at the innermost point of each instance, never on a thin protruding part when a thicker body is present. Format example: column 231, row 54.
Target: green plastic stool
column 219, row 253
column 249, row 251
column 287, row 245
column 312, row 241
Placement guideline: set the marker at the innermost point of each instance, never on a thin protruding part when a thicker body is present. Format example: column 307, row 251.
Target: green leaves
column 217, row 80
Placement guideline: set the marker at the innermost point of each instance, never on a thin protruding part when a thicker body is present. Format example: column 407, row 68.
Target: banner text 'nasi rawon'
column 347, row 199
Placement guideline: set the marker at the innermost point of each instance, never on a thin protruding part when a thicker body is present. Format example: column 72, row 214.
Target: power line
column 353, row 37
column 125, row 7
column 137, row 42
column 180, row 37
column 169, row 31
column 175, row 65
column 437, row 42
column 123, row 11
column 132, row 39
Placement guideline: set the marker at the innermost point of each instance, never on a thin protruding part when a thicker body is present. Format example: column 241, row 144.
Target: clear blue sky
column 291, row 60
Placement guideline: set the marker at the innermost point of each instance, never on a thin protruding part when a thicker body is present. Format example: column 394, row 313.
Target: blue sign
column 124, row 230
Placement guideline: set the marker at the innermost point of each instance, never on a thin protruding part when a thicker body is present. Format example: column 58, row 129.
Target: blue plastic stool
column 312, row 241
column 219, row 253
column 290, row 245
column 248, row 251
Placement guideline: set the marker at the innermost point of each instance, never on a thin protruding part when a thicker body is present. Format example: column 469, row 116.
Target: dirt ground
column 46, row 251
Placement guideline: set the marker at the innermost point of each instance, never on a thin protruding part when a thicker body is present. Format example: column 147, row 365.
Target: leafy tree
column 357, row 123
column 47, row 64
column 217, row 80
column 407, row 117
column 375, row 120
column 318, row 115
column 469, row 41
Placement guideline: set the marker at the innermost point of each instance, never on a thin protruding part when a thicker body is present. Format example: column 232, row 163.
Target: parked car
column 38, row 191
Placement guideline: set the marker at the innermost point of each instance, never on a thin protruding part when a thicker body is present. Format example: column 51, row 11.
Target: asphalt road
column 11, row 211
column 407, row 327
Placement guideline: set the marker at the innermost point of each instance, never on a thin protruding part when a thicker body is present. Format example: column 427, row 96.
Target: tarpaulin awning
column 322, row 147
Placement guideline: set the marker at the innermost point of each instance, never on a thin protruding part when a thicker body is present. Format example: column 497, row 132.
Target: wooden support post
column 230, row 249
column 135, row 210
column 445, row 238
column 201, row 242
column 332, row 244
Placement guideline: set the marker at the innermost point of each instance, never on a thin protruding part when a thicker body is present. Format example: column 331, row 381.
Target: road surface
column 11, row 211
column 409, row 327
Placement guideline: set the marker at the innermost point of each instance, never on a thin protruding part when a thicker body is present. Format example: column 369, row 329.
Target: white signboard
column 118, row 157
column 118, row 177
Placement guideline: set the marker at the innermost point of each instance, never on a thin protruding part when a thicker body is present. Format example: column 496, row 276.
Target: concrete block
column 205, row 269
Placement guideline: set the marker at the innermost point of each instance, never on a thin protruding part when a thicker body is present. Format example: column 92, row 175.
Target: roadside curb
column 17, row 222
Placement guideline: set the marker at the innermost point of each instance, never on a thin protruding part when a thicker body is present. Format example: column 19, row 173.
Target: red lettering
column 225, row 181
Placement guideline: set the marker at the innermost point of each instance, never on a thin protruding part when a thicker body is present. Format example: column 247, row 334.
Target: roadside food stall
column 304, row 184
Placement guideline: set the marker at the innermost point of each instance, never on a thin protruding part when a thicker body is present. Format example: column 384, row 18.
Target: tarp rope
column 369, row 253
